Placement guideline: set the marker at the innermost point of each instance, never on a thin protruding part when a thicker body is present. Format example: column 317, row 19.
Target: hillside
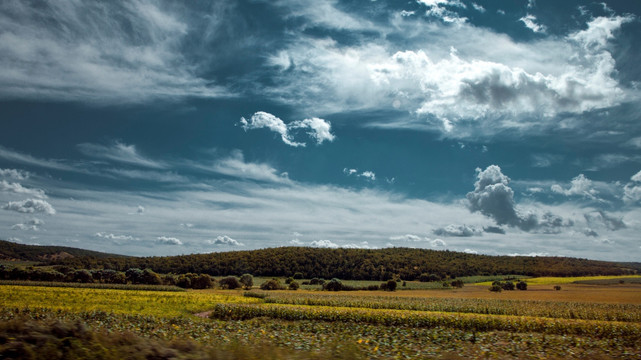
column 13, row 251
column 357, row 264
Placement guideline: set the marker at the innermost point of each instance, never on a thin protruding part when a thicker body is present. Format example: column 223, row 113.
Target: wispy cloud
column 119, row 152
column 530, row 22
column 113, row 52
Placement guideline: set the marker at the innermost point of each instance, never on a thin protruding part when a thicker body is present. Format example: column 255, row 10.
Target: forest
column 354, row 264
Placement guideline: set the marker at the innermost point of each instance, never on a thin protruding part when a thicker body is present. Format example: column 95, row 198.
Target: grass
column 92, row 285
column 566, row 280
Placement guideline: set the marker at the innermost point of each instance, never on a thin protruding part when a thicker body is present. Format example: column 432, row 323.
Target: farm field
column 579, row 321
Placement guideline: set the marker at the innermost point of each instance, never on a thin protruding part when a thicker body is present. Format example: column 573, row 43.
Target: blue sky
column 161, row 128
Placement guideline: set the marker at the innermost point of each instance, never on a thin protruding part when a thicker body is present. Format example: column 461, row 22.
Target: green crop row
column 627, row 332
column 548, row 309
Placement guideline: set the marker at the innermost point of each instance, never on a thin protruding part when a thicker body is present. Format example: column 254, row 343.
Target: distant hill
column 13, row 251
column 358, row 264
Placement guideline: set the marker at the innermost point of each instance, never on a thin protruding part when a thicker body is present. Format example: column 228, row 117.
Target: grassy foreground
column 112, row 323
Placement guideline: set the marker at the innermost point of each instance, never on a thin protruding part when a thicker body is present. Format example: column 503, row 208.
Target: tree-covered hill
column 13, row 251
column 357, row 264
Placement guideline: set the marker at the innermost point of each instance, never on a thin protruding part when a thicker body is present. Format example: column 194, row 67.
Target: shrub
column 247, row 280
column 293, row 285
column 273, row 284
column 289, row 280
column 457, row 283
column 508, row 285
column 305, row 283
column 298, row 275
column 390, row 285
column 150, row 278
column 373, row 287
column 333, row 285
column 496, row 288
column 316, row 281
column 557, row 287
column 521, row 285
column 230, row 282
column 203, row 281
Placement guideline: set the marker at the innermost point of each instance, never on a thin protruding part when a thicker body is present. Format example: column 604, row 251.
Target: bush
column 390, row 285
column 230, row 282
column 508, row 285
column 298, row 275
column 150, row 278
column 203, row 281
column 557, row 287
column 333, row 285
column 316, row 281
column 247, row 280
column 457, row 283
column 305, row 283
column 289, row 280
column 273, row 284
column 521, row 285
column 373, row 287
column 496, row 288
column 293, row 285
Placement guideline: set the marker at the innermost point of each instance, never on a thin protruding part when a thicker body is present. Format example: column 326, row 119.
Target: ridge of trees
column 14, row 251
column 355, row 264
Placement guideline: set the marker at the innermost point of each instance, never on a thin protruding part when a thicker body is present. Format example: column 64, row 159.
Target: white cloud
column 225, row 240
column 262, row 119
column 361, row 245
column 117, row 239
column 458, row 230
column 407, row 237
column 19, row 189
column 235, row 165
column 33, row 224
column 478, row 7
column 470, row 251
column 369, row 175
column 141, row 210
column 319, row 129
column 580, row 185
column 350, row 171
column 21, row 158
column 599, row 31
column 113, row 52
column 30, row 206
column 530, row 22
column 324, row 244
column 165, row 240
column 437, row 8
column 119, row 152
column 531, row 4
column 296, row 242
column 14, row 174
column 438, row 243
column 468, row 92
column 323, row 13
column 406, row 13
column 600, row 218
column 532, row 254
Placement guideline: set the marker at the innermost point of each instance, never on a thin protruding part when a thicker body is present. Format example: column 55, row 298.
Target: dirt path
column 204, row 314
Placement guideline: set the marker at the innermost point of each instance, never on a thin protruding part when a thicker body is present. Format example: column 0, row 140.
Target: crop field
column 579, row 321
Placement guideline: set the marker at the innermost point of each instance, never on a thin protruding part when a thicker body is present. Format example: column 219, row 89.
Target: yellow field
column 566, row 280
column 155, row 303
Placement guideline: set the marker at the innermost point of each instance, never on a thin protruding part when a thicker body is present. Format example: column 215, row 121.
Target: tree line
column 354, row 264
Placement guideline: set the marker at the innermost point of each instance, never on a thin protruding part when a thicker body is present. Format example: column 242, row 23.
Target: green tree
column 247, row 280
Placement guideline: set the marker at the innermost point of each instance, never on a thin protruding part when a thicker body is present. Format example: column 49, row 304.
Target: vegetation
column 13, row 251
column 355, row 264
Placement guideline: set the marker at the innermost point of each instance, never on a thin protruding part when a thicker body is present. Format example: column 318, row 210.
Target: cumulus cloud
column 460, row 95
column 494, row 230
column 225, row 240
column 119, row 152
column 600, row 30
column 579, row 186
column 115, row 52
column 350, row 171
column 493, row 197
column 361, row 245
column 470, row 251
column 407, row 237
column 439, row 9
column 324, row 244
column 632, row 190
column 457, row 230
column 296, row 242
column 530, row 22
column 367, row 174
column 438, row 243
column 30, row 206
column 19, row 189
column 165, row 240
column 370, row 175
column 318, row 129
column 117, row 239
column 14, row 174
column 33, row 224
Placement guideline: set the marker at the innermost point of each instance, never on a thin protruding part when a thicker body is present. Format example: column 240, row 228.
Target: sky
column 162, row 128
